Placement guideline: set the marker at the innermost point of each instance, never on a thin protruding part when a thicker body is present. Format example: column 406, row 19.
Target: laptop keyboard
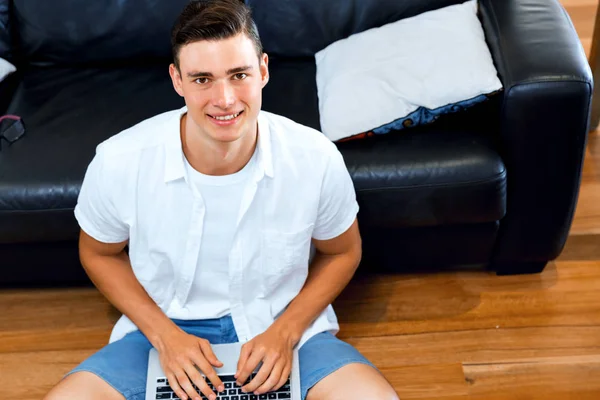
column 232, row 390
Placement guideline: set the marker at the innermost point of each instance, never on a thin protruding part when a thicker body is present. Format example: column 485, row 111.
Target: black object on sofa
column 495, row 185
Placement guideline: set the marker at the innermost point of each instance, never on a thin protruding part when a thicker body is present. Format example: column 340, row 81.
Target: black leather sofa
column 493, row 186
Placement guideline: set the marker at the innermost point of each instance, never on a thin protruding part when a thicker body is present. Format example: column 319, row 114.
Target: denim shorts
column 123, row 364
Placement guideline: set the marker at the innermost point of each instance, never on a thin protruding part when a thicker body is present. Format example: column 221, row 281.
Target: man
column 219, row 203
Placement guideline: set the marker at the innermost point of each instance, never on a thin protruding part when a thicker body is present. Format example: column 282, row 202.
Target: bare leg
column 83, row 386
column 353, row 381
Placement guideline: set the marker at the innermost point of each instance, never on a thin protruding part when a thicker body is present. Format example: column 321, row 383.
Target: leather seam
column 550, row 79
column 495, row 179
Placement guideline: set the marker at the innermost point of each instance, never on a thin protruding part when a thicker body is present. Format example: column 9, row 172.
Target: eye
column 240, row 76
column 201, row 81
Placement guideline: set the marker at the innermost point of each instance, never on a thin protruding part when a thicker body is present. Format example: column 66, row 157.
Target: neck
column 211, row 157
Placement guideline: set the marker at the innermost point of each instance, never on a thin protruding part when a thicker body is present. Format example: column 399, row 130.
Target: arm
column 332, row 268
column 109, row 268
column 103, row 238
column 339, row 250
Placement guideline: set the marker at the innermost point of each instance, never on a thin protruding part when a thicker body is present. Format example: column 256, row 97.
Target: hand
column 180, row 354
column 274, row 348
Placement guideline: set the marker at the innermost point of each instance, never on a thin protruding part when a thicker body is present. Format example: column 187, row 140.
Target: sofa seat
column 420, row 178
column 427, row 178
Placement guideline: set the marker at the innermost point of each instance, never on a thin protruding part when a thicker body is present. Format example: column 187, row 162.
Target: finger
column 209, row 354
column 210, row 373
column 244, row 354
column 175, row 386
column 186, row 385
column 272, row 379
column 261, row 377
column 249, row 367
column 252, row 361
column 285, row 375
column 200, row 383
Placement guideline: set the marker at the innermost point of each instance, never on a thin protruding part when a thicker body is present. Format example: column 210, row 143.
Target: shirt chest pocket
column 284, row 256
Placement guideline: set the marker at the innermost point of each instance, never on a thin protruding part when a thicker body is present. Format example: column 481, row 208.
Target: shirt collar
column 174, row 158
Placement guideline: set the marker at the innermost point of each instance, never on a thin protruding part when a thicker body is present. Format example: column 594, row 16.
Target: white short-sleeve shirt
column 136, row 188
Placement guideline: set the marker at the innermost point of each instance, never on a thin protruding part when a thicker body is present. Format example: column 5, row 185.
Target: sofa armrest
column 544, row 123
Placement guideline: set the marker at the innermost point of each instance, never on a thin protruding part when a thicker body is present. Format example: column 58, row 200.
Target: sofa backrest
column 71, row 32
column 300, row 28
column 68, row 32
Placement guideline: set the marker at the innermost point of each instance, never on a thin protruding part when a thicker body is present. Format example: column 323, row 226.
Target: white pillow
column 376, row 77
column 6, row 68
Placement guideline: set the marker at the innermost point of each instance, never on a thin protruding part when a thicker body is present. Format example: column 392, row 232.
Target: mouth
column 228, row 119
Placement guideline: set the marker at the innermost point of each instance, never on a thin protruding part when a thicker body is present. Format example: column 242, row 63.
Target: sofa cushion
column 303, row 27
column 405, row 73
column 6, row 69
column 426, row 177
column 60, row 33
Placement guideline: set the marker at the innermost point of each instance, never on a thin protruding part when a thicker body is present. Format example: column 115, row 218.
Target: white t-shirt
column 136, row 189
column 222, row 196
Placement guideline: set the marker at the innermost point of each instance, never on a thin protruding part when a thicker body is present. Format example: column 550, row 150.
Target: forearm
column 114, row 278
column 328, row 276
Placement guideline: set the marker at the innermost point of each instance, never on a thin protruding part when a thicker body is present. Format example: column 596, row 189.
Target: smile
column 226, row 117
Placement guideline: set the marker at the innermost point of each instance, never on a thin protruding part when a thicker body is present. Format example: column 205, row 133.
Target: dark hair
column 213, row 20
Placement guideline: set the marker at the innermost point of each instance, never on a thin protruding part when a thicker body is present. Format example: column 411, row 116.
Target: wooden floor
column 583, row 14
column 447, row 335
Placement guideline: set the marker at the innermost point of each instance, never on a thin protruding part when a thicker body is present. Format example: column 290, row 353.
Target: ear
column 176, row 79
column 264, row 69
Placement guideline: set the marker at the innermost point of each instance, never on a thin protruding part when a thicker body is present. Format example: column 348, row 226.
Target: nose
column 224, row 95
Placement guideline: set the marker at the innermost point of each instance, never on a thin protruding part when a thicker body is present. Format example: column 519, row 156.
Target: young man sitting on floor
column 219, row 203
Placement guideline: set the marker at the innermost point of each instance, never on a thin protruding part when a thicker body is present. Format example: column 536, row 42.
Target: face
column 221, row 82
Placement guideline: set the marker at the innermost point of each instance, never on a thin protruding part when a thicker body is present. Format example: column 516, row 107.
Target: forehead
column 217, row 56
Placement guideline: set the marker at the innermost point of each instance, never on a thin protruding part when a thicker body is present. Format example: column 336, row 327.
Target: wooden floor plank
column 29, row 376
column 587, row 217
column 420, row 381
column 582, row 248
column 545, row 376
column 568, row 292
column 479, row 346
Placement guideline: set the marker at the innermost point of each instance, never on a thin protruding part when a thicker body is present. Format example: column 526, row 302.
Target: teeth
column 227, row 117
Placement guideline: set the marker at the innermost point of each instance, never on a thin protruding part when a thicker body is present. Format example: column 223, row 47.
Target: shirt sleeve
column 337, row 205
column 95, row 211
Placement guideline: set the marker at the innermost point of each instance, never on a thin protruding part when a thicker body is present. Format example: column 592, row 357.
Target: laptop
column 157, row 386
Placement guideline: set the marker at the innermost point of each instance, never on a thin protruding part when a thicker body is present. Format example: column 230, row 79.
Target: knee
column 374, row 393
column 83, row 385
column 368, row 382
column 62, row 391
column 384, row 391
column 59, row 392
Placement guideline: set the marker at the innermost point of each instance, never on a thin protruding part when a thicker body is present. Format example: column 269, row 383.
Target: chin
column 228, row 137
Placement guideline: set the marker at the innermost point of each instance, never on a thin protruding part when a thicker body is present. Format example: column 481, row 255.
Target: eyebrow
column 237, row 70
